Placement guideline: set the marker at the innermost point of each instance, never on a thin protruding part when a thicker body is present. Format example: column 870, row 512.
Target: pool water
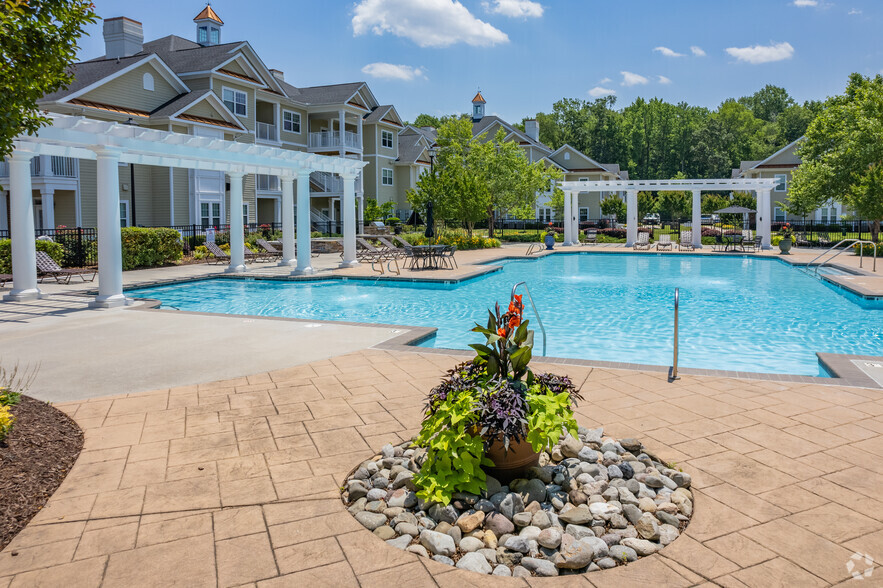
column 736, row 313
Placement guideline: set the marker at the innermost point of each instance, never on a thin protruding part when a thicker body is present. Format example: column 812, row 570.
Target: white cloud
column 598, row 92
column 762, row 53
column 664, row 80
column 854, row 12
column 805, row 3
column 389, row 71
column 515, row 8
column 428, row 23
column 632, row 79
column 605, row 81
column 697, row 51
column 668, row 52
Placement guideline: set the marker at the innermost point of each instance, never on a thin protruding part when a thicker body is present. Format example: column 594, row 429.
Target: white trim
column 164, row 71
column 299, row 121
column 392, row 141
column 126, row 217
column 783, row 180
column 224, row 89
column 218, row 105
column 779, row 152
column 670, row 185
column 391, row 176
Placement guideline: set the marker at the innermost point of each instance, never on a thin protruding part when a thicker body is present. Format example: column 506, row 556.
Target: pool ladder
column 534, row 306
column 535, row 248
column 673, row 370
column 849, row 243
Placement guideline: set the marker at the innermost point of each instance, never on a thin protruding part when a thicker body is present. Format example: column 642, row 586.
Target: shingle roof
column 410, row 148
column 182, row 101
column 333, row 94
column 377, row 114
column 184, row 56
column 487, row 121
column 88, row 72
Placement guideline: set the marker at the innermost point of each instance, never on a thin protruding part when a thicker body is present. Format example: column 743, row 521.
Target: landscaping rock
column 501, row 570
column 469, row 544
column 522, row 519
column 622, row 553
column 574, row 554
column 647, row 527
column 443, row 559
column 576, row 516
column 468, row 522
column 550, row 537
column 385, row 532
column 370, row 520
column 400, row 542
column 499, row 524
column 475, row 562
column 519, row 544
column 571, row 447
column 533, row 491
column 520, row 572
column 438, row 543
column 540, row 567
column 541, row 520
column 418, row 549
column 511, row 505
column 447, row 514
column 641, row 546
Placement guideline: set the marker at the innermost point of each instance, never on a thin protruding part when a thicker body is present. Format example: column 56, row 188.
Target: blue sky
column 431, row 55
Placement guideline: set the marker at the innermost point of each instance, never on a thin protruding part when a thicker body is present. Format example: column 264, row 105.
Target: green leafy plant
column 9, row 397
column 144, row 247
column 548, row 417
column 54, row 250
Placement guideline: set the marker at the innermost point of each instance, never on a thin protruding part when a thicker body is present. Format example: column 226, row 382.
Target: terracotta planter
column 785, row 246
column 512, row 464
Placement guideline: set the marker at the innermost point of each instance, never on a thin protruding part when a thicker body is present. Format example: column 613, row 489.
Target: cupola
column 208, row 27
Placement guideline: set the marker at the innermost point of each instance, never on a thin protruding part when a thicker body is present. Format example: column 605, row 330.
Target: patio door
column 208, row 188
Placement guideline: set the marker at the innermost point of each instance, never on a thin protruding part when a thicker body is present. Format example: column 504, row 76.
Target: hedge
column 143, row 247
column 461, row 241
column 55, row 251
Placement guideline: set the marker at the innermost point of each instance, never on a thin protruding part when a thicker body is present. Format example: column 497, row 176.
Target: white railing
column 265, row 131
column 327, row 182
column 47, row 166
column 267, row 183
column 325, row 139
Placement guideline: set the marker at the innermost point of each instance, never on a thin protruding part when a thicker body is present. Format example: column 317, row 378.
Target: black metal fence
column 80, row 244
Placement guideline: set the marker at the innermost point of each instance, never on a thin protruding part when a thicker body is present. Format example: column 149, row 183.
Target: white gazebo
column 112, row 143
column 761, row 186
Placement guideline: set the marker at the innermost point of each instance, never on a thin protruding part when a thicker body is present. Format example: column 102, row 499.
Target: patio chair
column 47, row 268
column 752, row 245
column 591, row 236
column 365, row 251
column 801, row 240
column 686, row 241
column 718, row 244
column 824, row 240
column 391, row 247
column 664, row 242
column 643, row 241
column 270, row 251
column 447, row 256
column 218, row 254
column 5, row 278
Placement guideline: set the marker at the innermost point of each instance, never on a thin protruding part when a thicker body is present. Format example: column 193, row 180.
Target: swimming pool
column 736, row 313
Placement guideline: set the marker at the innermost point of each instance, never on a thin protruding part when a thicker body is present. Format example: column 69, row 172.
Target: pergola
column 761, row 186
column 112, row 143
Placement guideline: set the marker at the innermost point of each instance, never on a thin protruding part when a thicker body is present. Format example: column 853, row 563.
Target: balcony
column 266, row 132
column 333, row 140
column 47, row 166
column 330, row 184
column 267, row 183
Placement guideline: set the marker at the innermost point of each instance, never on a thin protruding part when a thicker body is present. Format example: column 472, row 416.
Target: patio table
column 429, row 255
column 732, row 241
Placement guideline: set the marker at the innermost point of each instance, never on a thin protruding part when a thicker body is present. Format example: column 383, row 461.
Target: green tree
column 374, row 211
column 614, row 206
column 647, row 204
column 712, row 201
column 768, row 102
column 556, row 203
column 38, row 42
column 843, row 152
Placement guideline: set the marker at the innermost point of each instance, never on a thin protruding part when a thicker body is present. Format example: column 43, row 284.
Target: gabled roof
column 411, row 148
column 178, row 107
column 333, row 94
column 487, row 122
column 612, row 168
column 384, row 114
column 745, row 166
column 208, row 13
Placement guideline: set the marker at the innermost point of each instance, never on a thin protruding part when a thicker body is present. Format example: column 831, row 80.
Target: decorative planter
column 397, row 229
column 549, row 241
column 512, row 464
column 785, row 246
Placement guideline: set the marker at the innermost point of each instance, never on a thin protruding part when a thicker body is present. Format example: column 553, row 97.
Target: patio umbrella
column 737, row 210
column 430, row 221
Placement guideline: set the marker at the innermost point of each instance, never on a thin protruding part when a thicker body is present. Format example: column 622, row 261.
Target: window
column 245, row 214
column 544, row 214
column 147, row 82
column 781, row 183
column 235, row 101
column 386, row 139
column 267, row 183
column 779, row 214
column 124, row 213
column 583, row 214
column 476, row 111
column 290, row 121
column 210, row 214
column 216, row 36
column 202, row 36
column 386, row 177
column 566, row 156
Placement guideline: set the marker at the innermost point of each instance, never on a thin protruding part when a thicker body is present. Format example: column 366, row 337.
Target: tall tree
column 843, row 152
column 768, row 102
column 38, row 42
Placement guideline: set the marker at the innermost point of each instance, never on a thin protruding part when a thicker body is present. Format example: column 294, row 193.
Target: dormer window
column 566, row 156
column 147, row 82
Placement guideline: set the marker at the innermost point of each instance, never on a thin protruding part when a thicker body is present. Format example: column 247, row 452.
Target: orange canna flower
column 514, row 322
column 501, row 331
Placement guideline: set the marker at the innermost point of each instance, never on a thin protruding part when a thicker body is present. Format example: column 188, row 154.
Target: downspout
column 132, row 192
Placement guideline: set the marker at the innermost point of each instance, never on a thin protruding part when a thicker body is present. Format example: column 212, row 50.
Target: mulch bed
column 34, row 459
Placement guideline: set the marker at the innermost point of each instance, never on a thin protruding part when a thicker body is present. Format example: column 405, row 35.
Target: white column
column 237, row 228
column 568, row 226
column 48, row 197
column 697, row 219
column 764, row 207
column 631, row 217
column 304, row 245
column 110, row 248
column 574, row 210
column 348, row 212
column 21, row 224
column 287, row 220
column 4, row 222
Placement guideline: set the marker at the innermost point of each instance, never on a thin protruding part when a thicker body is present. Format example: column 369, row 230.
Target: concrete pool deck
column 236, row 482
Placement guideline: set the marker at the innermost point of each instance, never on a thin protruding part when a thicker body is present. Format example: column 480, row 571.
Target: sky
column 432, row 55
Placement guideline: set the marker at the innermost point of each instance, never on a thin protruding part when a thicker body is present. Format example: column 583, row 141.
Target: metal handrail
column 673, row 372
column 849, row 242
column 530, row 250
column 535, row 312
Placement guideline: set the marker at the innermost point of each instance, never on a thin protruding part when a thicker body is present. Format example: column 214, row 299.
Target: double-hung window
column 290, row 121
column 235, row 101
column 210, row 214
column 245, row 214
column 386, row 139
column 124, row 213
column 781, row 183
column 386, row 177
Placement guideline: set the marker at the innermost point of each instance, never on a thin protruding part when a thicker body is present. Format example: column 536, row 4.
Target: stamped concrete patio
column 235, row 482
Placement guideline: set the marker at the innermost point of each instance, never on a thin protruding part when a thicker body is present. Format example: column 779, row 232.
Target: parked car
column 651, row 219
column 708, row 219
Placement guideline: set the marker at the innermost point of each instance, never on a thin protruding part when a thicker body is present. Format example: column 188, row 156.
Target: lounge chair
column 643, row 241
column 591, row 236
column 824, row 240
column 801, row 240
column 218, row 254
column 270, row 251
column 664, row 242
column 5, row 278
column 686, row 241
column 365, row 251
column 391, row 247
column 46, row 267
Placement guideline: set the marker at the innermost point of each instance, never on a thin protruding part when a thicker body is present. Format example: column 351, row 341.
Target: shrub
column 54, row 250
column 144, row 247
column 462, row 242
column 8, row 397
column 393, row 221
column 868, row 249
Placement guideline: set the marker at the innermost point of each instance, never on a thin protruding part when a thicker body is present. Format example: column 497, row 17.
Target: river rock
column 438, row 543
column 469, row 544
column 533, row 491
column 511, row 505
column 576, row 516
column 400, row 542
column 574, row 554
column 501, row 570
column 622, row 553
column 641, row 546
column 468, row 522
column 541, row 567
column 475, row 562
column 371, row 520
column 550, row 537
column 570, row 447
column 647, row 527
column 499, row 524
